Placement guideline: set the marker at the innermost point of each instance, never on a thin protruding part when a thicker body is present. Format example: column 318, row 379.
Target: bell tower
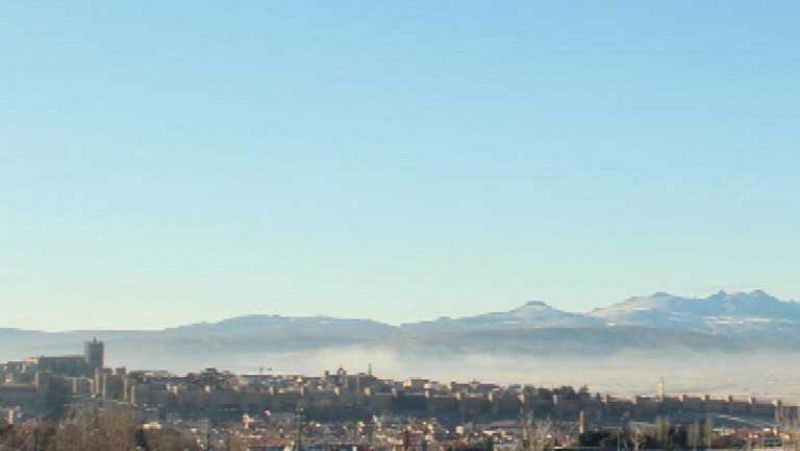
column 93, row 354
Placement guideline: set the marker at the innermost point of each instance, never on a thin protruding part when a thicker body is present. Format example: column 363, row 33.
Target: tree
column 694, row 435
column 537, row 435
column 112, row 429
column 636, row 436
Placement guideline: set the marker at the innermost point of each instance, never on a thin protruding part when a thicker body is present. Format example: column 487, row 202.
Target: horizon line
column 393, row 324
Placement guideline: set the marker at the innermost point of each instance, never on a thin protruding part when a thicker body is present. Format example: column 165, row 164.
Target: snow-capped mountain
column 739, row 322
column 533, row 314
column 285, row 325
column 754, row 313
column 721, row 313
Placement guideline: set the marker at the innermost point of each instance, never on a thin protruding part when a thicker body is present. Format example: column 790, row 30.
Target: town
column 215, row 409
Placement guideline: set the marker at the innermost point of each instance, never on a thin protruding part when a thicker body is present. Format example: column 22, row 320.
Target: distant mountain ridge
column 720, row 313
column 283, row 324
column 721, row 322
column 754, row 312
column 532, row 314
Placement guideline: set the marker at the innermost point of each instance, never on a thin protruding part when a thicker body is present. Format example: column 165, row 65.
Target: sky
column 169, row 162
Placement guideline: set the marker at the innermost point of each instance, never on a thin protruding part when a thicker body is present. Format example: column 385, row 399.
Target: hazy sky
column 166, row 162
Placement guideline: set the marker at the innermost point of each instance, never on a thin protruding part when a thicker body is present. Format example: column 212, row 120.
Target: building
column 93, row 354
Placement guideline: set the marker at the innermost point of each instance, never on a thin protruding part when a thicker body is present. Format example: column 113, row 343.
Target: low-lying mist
column 763, row 375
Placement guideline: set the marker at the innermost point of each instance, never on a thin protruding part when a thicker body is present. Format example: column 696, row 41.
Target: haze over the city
column 168, row 163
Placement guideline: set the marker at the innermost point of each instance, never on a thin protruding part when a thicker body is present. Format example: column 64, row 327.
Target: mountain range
column 727, row 322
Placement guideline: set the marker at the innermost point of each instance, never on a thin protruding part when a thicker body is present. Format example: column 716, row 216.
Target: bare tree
column 693, row 435
column 112, row 429
column 537, row 435
column 636, row 436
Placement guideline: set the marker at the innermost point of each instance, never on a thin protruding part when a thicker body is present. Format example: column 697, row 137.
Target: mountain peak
column 536, row 304
column 742, row 295
column 535, row 308
column 722, row 312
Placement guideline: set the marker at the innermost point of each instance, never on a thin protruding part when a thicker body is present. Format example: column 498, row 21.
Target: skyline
column 162, row 164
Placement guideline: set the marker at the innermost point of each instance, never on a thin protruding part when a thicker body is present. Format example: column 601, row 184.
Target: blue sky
column 167, row 162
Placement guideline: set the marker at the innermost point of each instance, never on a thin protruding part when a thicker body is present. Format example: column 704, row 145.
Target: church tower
column 93, row 354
